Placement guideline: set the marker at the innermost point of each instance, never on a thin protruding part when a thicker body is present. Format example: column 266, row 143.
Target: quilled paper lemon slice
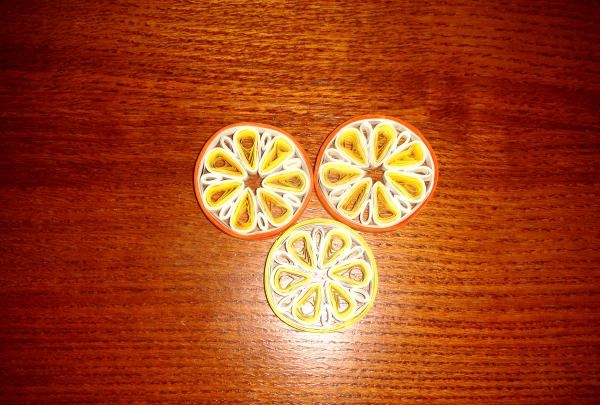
column 252, row 180
column 320, row 276
column 374, row 173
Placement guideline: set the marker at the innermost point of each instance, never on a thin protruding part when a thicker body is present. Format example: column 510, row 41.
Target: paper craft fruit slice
column 320, row 276
column 374, row 173
column 252, row 180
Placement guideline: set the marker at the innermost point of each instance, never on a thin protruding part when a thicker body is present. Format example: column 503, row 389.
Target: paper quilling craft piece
column 252, row 180
column 320, row 276
column 375, row 172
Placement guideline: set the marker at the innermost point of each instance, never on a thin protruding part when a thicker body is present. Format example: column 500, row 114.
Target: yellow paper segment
column 356, row 273
column 294, row 181
column 286, row 280
column 385, row 209
column 384, row 136
column 277, row 210
column 351, row 142
column 300, row 247
column 308, row 307
column 411, row 187
column 243, row 218
column 219, row 194
column 246, row 142
column 354, row 200
column 336, row 174
column 218, row 160
column 411, row 156
column 280, row 150
column 342, row 304
column 336, row 242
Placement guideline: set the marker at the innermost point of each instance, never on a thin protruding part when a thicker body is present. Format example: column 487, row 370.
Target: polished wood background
column 115, row 288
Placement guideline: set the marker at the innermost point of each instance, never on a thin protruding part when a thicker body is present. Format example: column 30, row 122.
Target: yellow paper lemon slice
column 335, row 174
column 221, row 161
column 410, row 186
column 243, row 218
column 245, row 141
column 353, row 144
column 279, row 150
column 278, row 211
column 353, row 201
column 385, row 209
column 413, row 155
column 291, row 181
column 325, row 292
column 219, row 194
column 384, row 136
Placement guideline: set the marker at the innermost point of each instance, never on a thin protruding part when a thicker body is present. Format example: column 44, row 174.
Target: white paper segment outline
column 417, row 175
column 288, row 162
column 320, row 276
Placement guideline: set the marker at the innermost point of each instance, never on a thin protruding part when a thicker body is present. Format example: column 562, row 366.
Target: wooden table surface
column 115, row 288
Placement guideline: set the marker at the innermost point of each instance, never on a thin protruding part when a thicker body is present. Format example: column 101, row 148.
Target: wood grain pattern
column 115, row 288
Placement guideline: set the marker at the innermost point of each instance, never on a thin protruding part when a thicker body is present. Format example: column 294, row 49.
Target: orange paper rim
column 253, row 235
column 334, row 212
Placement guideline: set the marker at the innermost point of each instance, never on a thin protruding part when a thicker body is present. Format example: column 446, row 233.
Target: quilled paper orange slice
column 375, row 172
column 252, row 180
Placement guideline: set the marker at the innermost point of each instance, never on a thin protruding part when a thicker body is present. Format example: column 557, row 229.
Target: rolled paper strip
column 210, row 178
column 353, row 145
column 413, row 155
column 277, row 210
column 300, row 248
column 219, row 160
column 218, row 194
column 277, row 152
column 336, row 243
column 292, row 163
column 246, row 144
column 385, row 209
column 255, row 158
column 349, row 273
column 261, row 221
column 292, row 199
column 287, row 279
column 384, row 136
column 226, row 211
column 335, row 174
column 227, row 144
column 292, row 181
column 354, row 200
column 308, row 307
column 353, row 173
column 320, row 276
column 334, row 155
column 265, row 140
column 243, row 218
column 341, row 303
column 409, row 185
